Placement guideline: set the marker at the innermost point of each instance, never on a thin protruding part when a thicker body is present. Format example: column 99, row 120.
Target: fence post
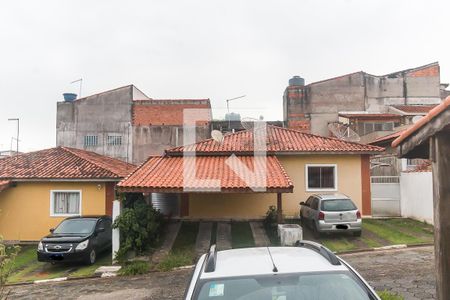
column 115, row 233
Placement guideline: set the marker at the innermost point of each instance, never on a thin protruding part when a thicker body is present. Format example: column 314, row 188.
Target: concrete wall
column 416, row 190
column 104, row 114
column 255, row 205
column 25, row 209
column 153, row 140
column 321, row 101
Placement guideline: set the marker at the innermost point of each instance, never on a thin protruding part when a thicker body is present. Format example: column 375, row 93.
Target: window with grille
column 321, row 177
column 114, row 140
column 65, row 203
column 90, row 140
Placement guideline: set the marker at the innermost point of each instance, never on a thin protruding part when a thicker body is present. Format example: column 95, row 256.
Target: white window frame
column 52, row 203
column 308, row 189
column 114, row 140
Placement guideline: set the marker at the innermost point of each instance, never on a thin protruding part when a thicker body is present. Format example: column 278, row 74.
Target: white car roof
column 256, row 261
column 331, row 196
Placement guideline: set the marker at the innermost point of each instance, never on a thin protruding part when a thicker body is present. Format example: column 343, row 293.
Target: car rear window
column 337, row 205
column 322, row 286
column 76, row 226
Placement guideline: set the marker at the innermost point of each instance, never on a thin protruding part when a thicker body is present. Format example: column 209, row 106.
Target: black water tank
column 296, row 80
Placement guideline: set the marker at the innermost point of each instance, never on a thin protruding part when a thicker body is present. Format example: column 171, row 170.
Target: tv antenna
column 228, row 109
column 344, row 132
column 81, row 85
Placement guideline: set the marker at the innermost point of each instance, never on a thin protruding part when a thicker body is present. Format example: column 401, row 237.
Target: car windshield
column 317, row 286
column 76, row 226
column 337, row 205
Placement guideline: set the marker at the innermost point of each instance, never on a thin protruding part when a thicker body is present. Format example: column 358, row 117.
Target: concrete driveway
column 407, row 271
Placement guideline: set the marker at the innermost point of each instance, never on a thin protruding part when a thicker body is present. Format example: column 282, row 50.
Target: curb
column 390, row 247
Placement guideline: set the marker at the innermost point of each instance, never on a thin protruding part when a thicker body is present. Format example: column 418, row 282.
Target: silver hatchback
column 330, row 213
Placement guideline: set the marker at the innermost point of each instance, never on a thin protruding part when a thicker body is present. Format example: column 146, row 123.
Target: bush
column 139, row 225
column 7, row 257
column 386, row 295
column 134, row 268
column 270, row 220
column 175, row 260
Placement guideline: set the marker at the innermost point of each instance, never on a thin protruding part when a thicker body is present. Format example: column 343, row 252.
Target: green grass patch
column 186, row 237
column 183, row 250
column 27, row 268
column 85, row 271
column 241, row 235
column 370, row 243
column 389, row 234
column 411, row 225
column 338, row 244
column 175, row 260
column 386, row 295
column 134, row 268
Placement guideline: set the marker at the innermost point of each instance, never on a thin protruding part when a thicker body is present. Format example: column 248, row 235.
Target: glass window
column 321, row 177
column 114, row 140
column 65, row 203
column 90, row 140
column 76, row 226
column 318, row 286
column 315, row 204
column 337, row 205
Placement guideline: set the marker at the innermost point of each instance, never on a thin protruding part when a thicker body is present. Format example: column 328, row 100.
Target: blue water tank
column 69, row 97
column 296, row 80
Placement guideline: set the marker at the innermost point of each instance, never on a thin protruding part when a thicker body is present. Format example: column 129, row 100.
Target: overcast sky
column 201, row 49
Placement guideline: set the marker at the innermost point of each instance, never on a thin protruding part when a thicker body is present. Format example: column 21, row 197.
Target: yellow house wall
column 25, row 209
column 255, row 205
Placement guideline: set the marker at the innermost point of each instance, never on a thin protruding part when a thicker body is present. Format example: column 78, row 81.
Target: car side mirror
column 302, row 203
column 51, row 230
column 100, row 229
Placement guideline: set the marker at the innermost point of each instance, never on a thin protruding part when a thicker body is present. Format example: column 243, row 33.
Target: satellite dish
column 415, row 119
column 217, row 136
column 344, row 132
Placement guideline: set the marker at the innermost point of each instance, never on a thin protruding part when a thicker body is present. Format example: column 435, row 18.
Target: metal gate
column 385, row 196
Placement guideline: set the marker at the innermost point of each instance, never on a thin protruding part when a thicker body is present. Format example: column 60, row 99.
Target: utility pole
column 17, row 137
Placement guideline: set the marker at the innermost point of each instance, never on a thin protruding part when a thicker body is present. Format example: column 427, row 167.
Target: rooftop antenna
column 228, row 108
column 81, row 85
column 217, row 136
column 344, row 132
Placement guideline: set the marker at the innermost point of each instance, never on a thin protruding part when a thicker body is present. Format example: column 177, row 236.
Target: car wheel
column 92, row 257
column 357, row 233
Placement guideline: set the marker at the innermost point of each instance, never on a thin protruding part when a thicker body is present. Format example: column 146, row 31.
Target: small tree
column 139, row 225
column 7, row 256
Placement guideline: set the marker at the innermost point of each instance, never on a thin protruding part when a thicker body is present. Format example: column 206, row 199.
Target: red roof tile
column 424, row 120
column 414, row 109
column 63, row 163
column 279, row 140
column 167, row 112
column 165, row 173
column 4, row 184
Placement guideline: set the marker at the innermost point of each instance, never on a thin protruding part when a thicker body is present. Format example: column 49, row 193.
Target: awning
column 174, row 174
column 4, row 184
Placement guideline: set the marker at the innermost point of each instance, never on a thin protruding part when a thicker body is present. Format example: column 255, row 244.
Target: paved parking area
column 407, row 271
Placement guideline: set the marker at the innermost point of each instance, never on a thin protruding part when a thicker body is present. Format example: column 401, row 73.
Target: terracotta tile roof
column 369, row 116
column 4, row 184
column 414, row 109
column 165, row 173
column 279, row 140
column 167, row 111
column 63, row 163
column 424, row 120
